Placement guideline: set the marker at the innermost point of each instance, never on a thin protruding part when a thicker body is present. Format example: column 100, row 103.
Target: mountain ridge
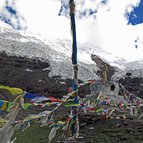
column 55, row 51
column 56, row 54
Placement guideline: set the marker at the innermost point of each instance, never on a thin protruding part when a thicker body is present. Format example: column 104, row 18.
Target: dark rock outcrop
column 31, row 75
column 133, row 85
column 103, row 66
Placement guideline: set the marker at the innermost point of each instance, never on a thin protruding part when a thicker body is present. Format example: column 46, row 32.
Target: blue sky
column 136, row 16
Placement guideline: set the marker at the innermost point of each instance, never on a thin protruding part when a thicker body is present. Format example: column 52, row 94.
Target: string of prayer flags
column 73, row 87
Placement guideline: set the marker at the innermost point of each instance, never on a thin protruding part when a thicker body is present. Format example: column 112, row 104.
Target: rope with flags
column 106, row 105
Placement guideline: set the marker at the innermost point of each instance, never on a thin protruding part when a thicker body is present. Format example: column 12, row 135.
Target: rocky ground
column 31, row 76
column 134, row 85
column 93, row 129
column 112, row 131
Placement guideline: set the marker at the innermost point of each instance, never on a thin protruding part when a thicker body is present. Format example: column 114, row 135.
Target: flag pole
column 74, row 110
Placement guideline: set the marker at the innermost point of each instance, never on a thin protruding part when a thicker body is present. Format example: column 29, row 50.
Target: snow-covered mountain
column 57, row 52
column 135, row 69
column 35, row 64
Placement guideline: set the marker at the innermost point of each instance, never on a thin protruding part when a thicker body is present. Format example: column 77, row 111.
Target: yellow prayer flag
column 13, row 91
column 3, row 108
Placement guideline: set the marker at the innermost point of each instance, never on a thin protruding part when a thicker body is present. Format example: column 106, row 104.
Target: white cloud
column 117, row 36
column 109, row 31
column 42, row 17
column 2, row 3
